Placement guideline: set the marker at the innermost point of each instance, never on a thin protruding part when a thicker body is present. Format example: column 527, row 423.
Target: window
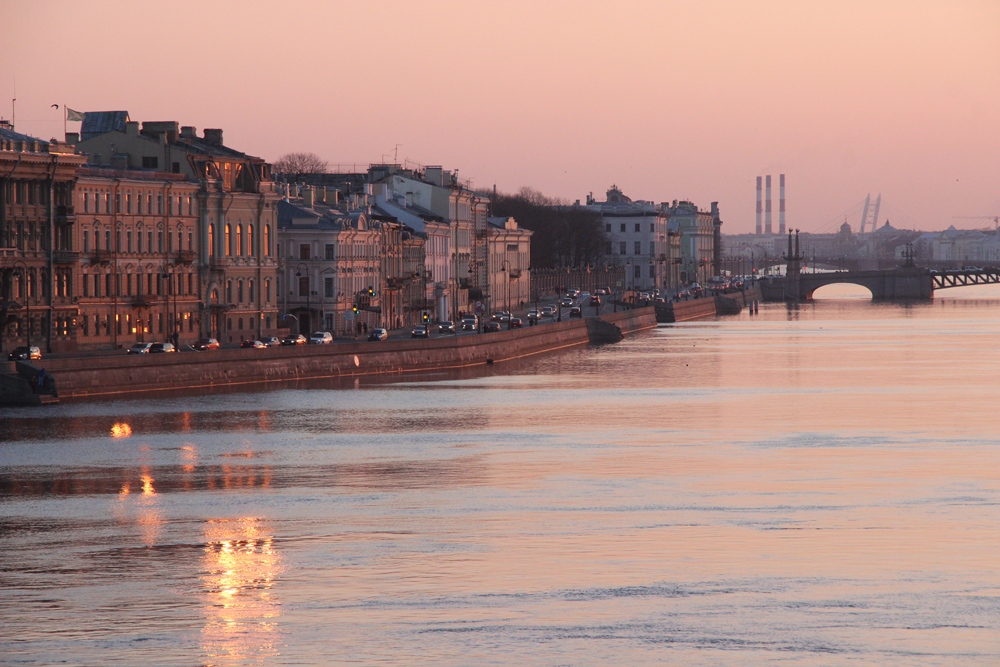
column 128, row 240
column 159, row 204
column 170, row 242
column 86, row 241
column 252, row 292
column 190, row 240
column 267, row 291
column 623, row 226
column 150, row 163
column 149, row 242
column 211, row 240
column 637, row 226
column 239, row 240
column 328, row 288
column 304, row 286
column 652, row 271
column 86, row 202
column 229, row 240
column 329, row 251
column 638, row 247
column 149, row 204
column 267, row 240
column 621, row 248
column 175, row 168
column 239, row 292
column 128, row 203
column 118, row 240
column 607, row 250
column 651, row 227
column 607, row 227
column 159, row 241
column 637, row 271
column 229, row 291
column 303, row 251
column 190, row 283
column 190, row 206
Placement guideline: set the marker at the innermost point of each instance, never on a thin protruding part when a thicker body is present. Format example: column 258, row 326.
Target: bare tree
column 299, row 163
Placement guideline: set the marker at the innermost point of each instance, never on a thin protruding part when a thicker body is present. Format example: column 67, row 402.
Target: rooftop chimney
column 781, row 204
column 187, row 132
column 213, row 137
column 767, row 206
column 307, row 194
column 759, row 207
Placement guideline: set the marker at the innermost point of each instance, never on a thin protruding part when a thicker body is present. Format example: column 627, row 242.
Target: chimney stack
column 781, row 204
column 307, row 196
column 767, row 206
column 759, row 229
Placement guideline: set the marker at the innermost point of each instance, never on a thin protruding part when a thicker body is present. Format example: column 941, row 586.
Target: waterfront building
column 700, row 240
column 38, row 253
column 639, row 238
column 508, row 261
column 233, row 232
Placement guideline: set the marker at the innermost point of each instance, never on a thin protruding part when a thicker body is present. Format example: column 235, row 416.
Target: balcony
column 140, row 301
column 101, row 257
column 64, row 215
column 65, row 256
column 185, row 257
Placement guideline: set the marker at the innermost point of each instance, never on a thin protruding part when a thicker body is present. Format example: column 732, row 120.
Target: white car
column 320, row 338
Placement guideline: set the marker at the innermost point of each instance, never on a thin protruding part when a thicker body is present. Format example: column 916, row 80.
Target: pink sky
column 669, row 100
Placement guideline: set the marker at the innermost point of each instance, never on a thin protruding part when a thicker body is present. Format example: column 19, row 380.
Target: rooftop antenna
column 13, row 107
column 395, row 154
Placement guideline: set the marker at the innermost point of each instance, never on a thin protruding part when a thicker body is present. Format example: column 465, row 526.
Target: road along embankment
column 123, row 375
column 695, row 309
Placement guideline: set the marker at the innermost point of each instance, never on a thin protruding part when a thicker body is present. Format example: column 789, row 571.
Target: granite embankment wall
column 683, row 311
column 123, row 375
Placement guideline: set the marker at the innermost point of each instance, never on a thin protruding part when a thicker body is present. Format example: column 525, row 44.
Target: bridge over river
column 903, row 282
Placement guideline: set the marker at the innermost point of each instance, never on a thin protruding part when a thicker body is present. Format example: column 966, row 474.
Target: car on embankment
column 162, row 348
column 253, row 345
column 321, row 338
column 419, row 331
column 491, row 327
column 294, row 339
column 24, row 353
column 139, row 348
column 204, row 344
column 378, row 335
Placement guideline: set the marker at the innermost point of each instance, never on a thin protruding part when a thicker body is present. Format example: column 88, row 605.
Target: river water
column 808, row 486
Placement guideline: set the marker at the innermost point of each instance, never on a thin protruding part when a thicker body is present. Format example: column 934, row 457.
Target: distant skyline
column 667, row 100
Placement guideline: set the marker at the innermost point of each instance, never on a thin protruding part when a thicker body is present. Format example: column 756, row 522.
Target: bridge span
column 900, row 283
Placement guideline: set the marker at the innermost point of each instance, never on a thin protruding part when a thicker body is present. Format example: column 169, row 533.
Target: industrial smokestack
column 767, row 206
column 781, row 204
column 759, row 209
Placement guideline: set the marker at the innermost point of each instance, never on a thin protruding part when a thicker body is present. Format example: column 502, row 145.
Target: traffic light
column 371, row 291
column 427, row 317
column 355, row 308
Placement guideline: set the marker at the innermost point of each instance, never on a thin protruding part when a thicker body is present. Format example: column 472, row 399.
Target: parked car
column 206, row 344
column 320, row 338
column 24, row 353
column 378, row 334
column 253, row 344
column 140, row 348
column 469, row 324
column 271, row 341
column 575, row 312
column 419, row 331
column 492, row 326
column 294, row 339
column 446, row 327
column 161, row 348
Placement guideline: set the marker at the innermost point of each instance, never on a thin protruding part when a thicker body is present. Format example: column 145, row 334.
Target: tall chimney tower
column 767, row 206
column 781, row 204
column 759, row 209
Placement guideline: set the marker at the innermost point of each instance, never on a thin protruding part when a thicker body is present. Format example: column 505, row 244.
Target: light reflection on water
column 810, row 486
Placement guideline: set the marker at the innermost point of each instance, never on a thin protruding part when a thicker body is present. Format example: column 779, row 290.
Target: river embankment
column 94, row 378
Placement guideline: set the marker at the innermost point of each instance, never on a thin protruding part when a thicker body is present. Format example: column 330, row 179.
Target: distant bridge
column 904, row 282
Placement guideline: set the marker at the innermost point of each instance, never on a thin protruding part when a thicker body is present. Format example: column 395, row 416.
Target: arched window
column 229, row 240
column 267, row 240
column 252, row 295
column 215, row 295
column 211, row 240
column 229, row 291
column 250, row 249
column 239, row 240
column 240, row 291
column 267, row 290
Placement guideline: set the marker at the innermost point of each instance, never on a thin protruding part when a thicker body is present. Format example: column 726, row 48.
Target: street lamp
column 171, row 289
column 505, row 270
column 298, row 274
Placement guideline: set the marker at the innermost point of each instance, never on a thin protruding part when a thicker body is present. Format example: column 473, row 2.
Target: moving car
column 516, row 323
column 419, row 331
column 469, row 324
column 533, row 315
column 575, row 312
column 24, row 353
column 446, row 327
column 253, row 344
column 160, row 348
column 270, row 341
column 595, row 300
column 320, row 338
column 294, row 339
column 566, row 302
column 549, row 311
column 140, row 348
column 206, row 344
column 378, row 334
column 492, row 326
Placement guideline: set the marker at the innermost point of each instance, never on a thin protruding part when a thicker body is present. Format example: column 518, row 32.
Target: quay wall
column 683, row 311
column 136, row 375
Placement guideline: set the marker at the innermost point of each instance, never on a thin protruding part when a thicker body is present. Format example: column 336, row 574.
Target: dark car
column 595, row 300
column 206, row 344
column 253, row 344
column 516, row 323
column 378, row 334
column 575, row 312
column 161, row 348
column 490, row 327
column 295, row 339
column 469, row 324
column 419, row 331
column 270, row 341
column 140, row 348
column 25, row 353
column 446, row 328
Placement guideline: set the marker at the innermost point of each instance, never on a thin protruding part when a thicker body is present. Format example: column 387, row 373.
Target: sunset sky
column 668, row 100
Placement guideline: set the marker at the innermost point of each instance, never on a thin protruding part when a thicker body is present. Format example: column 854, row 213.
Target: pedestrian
column 41, row 377
column 364, row 327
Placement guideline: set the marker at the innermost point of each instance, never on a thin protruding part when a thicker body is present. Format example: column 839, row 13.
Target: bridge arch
column 841, row 290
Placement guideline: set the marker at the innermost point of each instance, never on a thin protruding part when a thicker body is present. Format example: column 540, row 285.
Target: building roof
column 96, row 123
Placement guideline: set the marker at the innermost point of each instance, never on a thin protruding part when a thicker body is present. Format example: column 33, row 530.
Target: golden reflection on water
column 241, row 565
column 143, row 509
column 121, row 430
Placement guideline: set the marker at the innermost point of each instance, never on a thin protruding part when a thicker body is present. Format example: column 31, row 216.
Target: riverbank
column 93, row 378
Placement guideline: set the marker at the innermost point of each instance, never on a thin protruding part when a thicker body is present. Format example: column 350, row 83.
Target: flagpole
column 64, row 121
